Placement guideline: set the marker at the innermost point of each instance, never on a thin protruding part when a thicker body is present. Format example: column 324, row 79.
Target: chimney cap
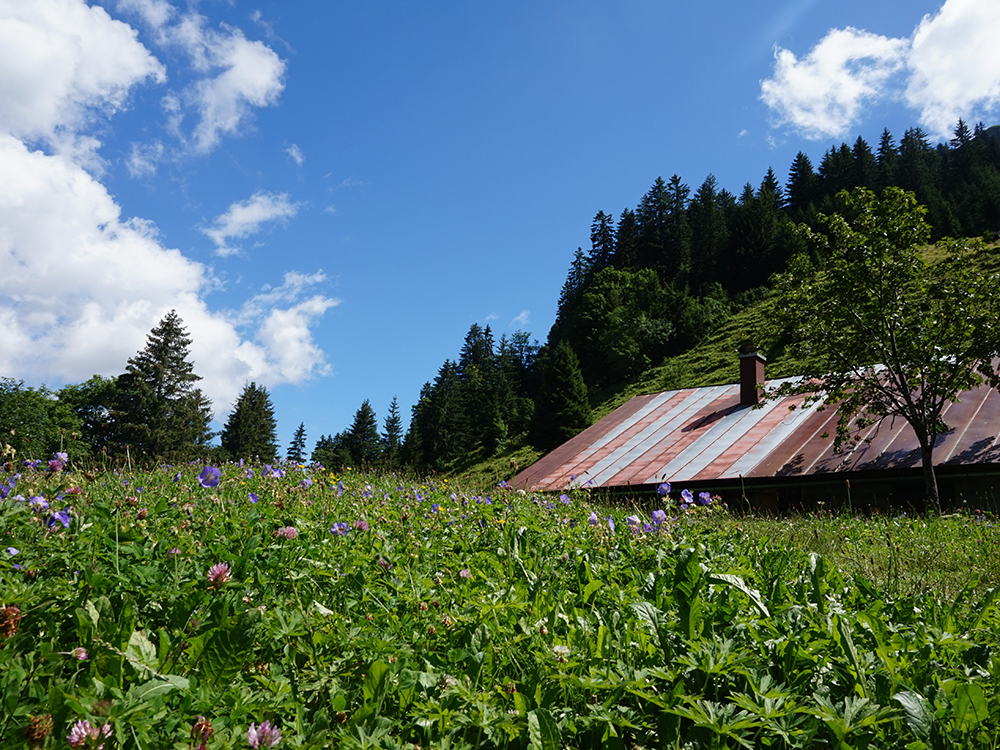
column 750, row 349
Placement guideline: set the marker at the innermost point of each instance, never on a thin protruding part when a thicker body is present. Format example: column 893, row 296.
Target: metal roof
column 704, row 434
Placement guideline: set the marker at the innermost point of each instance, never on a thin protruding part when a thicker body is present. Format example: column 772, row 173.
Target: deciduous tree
column 890, row 335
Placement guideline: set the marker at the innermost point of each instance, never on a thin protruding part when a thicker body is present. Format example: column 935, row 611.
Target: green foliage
column 158, row 413
column 362, row 439
column 35, row 423
column 563, row 407
column 889, row 335
column 92, row 402
column 366, row 611
column 296, row 449
column 251, row 430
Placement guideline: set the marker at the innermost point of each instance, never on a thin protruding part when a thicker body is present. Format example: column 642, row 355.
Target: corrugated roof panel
column 703, row 434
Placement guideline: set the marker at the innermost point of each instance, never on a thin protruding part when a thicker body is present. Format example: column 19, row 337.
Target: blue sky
column 330, row 194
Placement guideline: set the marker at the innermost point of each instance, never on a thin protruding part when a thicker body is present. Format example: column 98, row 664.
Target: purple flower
column 12, row 551
column 664, row 488
column 253, row 497
column 38, row 504
column 565, row 499
column 173, row 551
column 209, row 477
column 633, row 521
column 340, row 528
column 218, row 575
column 55, row 465
column 177, row 477
column 683, row 506
column 85, row 734
column 704, row 498
column 593, row 518
column 340, row 487
column 264, row 736
column 361, row 524
column 64, row 457
column 611, row 524
column 464, row 573
column 436, row 507
column 287, row 532
column 687, row 497
column 62, row 517
column 659, row 517
column 79, row 653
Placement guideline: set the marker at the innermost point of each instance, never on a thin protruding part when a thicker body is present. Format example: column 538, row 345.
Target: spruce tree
column 392, row 436
column 158, row 413
column 362, row 438
column 251, row 430
column 563, row 408
column 296, row 449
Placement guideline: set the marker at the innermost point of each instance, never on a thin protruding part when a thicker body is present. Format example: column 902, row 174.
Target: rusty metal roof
column 703, row 434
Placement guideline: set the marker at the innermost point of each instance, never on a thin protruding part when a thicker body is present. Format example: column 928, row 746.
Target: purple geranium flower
column 253, row 497
column 664, row 488
column 38, row 504
column 62, row 517
column 687, row 497
column 209, row 477
column 340, row 528
column 704, row 498
column 593, row 518
column 659, row 517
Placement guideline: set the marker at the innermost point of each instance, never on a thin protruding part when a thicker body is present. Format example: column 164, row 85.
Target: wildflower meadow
column 260, row 606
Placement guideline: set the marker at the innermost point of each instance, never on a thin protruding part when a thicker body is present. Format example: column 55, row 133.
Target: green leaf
column 376, row 682
column 227, row 647
column 971, row 708
column 543, row 734
column 738, row 583
column 918, row 712
column 157, row 686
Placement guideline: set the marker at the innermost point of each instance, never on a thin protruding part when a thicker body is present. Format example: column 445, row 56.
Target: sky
column 330, row 194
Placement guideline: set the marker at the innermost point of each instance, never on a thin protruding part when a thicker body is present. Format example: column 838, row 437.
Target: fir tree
column 296, row 449
column 251, row 430
column 392, row 435
column 563, row 409
column 362, row 439
column 159, row 413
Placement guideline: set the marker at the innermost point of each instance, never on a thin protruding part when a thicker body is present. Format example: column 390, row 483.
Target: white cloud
column 522, row 318
column 949, row 68
column 63, row 64
column 296, row 153
column 955, row 65
column 245, row 218
column 822, row 94
column 83, row 285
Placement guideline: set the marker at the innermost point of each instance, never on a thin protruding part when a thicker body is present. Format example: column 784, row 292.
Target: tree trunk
column 931, row 496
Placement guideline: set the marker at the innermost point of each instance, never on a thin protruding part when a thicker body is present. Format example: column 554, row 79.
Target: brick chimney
column 751, row 374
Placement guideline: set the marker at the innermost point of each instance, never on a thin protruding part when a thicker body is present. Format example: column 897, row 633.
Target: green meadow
column 256, row 606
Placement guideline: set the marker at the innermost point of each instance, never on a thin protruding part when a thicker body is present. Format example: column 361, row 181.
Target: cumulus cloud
column 62, row 64
column 83, row 285
column 949, row 68
column 822, row 94
column 955, row 65
column 232, row 74
column 245, row 218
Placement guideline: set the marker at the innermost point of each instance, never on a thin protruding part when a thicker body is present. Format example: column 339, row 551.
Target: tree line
column 653, row 283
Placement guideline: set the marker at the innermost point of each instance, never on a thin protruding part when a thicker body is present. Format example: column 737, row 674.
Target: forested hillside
column 683, row 267
column 668, row 274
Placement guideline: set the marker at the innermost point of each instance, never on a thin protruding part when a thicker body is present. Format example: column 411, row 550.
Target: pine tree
column 158, row 413
column 251, row 430
column 563, row 408
column 296, row 449
column 362, row 437
column 392, row 436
